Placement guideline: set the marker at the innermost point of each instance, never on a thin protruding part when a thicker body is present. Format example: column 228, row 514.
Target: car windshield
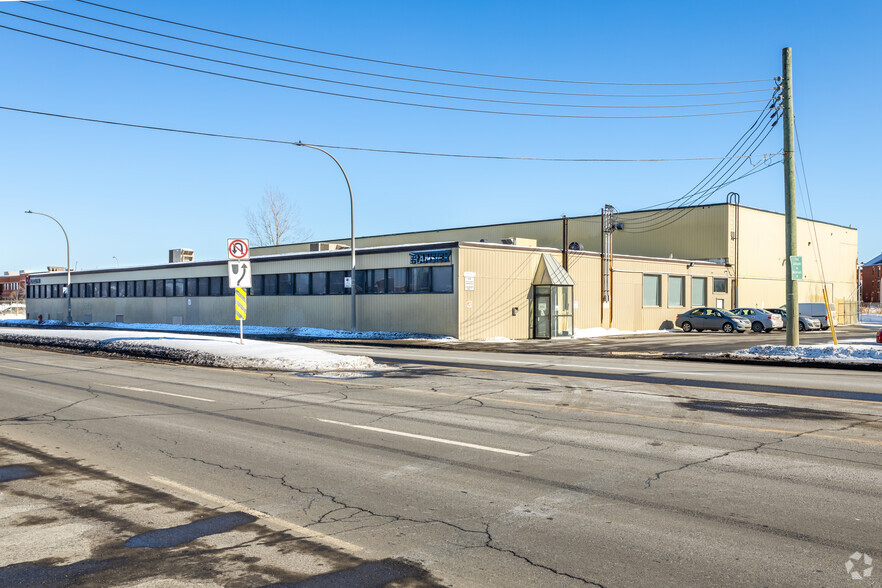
column 726, row 313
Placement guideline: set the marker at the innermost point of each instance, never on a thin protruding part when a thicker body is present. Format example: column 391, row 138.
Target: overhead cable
column 422, row 67
column 368, row 149
column 369, row 87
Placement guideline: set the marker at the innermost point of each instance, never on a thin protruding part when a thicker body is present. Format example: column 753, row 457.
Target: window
column 699, row 291
column 301, row 284
column 204, row 287
column 335, row 282
column 256, row 285
column 192, row 287
column 105, row 289
column 114, row 290
column 89, row 290
column 676, row 291
column 169, row 288
column 180, row 287
column 360, row 281
column 149, row 288
column 721, row 285
column 442, row 279
column 651, row 290
column 286, row 284
column 319, row 283
column 215, row 286
column 396, row 280
column 375, row 281
column 271, row 285
column 419, row 279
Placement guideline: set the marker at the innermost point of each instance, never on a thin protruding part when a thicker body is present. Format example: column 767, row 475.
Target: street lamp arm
column 67, row 243
column 351, row 222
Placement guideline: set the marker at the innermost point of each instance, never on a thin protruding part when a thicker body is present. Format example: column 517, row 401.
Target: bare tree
column 277, row 220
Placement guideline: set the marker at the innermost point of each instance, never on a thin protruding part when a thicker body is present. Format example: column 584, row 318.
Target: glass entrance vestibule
column 552, row 311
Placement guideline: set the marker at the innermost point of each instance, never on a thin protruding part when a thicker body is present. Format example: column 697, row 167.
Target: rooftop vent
column 180, row 255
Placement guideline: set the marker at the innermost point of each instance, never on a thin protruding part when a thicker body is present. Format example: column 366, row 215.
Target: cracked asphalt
column 453, row 469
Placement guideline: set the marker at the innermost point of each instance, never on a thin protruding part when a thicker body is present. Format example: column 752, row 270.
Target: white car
column 760, row 320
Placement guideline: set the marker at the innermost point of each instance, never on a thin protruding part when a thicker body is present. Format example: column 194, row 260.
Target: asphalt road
column 449, row 468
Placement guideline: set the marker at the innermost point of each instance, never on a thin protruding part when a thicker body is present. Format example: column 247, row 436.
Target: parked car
column 806, row 323
column 760, row 320
column 711, row 319
column 879, row 336
column 818, row 310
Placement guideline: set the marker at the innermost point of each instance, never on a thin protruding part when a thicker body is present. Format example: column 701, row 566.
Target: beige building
column 514, row 280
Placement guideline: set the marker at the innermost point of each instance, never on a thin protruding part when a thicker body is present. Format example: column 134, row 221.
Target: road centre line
column 425, row 438
column 133, row 389
column 604, row 412
column 301, row 531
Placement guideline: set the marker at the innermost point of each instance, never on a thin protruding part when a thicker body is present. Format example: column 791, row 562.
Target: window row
column 652, row 290
column 405, row 280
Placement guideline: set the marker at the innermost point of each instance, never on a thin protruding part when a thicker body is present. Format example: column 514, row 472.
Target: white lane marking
column 300, row 531
column 6, row 367
column 133, row 389
column 423, row 437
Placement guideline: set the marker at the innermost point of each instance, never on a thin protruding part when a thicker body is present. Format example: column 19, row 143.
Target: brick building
column 871, row 280
column 13, row 286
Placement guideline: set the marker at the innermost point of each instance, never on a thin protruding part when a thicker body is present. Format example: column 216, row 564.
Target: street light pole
column 67, row 241
column 352, row 227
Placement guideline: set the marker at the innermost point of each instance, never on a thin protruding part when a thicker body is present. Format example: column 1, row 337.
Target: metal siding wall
column 584, row 268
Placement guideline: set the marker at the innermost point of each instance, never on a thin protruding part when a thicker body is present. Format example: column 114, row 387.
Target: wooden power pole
column 789, row 202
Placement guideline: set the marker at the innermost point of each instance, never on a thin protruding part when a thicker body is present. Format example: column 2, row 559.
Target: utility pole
column 789, row 202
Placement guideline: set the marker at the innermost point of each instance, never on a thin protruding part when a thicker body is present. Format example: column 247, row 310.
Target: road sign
column 795, row 267
column 239, row 273
column 241, row 304
column 237, row 249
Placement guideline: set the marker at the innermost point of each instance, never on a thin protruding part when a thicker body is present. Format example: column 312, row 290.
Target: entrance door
column 542, row 312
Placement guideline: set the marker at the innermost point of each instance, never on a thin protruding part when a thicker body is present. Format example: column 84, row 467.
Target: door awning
column 551, row 273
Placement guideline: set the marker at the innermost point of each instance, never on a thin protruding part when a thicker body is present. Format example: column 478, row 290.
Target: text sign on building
column 239, row 273
column 469, row 280
column 795, row 267
column 430, row 257
column 241, row 304
column 237, row 249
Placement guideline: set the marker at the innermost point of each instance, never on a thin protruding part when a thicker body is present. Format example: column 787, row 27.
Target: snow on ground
column 871, row 319
column 192, row 349
column 281, row 332
column 862, row 351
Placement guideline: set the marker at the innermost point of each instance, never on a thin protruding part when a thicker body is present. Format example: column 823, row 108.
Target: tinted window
column 256, row 286
column 320, row 283
column 105, row 289
column 192, row 287
column 114, row 290
column 335, row 282
column 180, row 287
column 139, row 288
column 204, row 287
column 375, row 281
column 721, row 285
column 286, row 284
column 216, row 286
column 169, row 288
column 270, row 285
column 419, row 279
column 360, row 281
column 442, row 278
column 148, row 288
column 396, row 280
column 301, row 284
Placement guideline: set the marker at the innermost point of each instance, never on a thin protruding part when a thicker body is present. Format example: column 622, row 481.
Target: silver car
column 760, row 320
column 806, row 323
column 711, row 319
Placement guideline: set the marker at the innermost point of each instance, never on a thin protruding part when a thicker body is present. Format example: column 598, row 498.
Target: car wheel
column 757, row 327
column 824, row 328
column 801, row 327
column 728, row 327
column 699, row 330
column 687, row 326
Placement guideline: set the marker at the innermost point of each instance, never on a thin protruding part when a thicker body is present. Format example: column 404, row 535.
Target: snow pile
column 277, row 332
column 860, row 353
column 601, row 332
column 192, row 349
column 871, row 319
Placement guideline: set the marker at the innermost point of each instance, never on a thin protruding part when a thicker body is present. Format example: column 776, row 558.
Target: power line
column 397, row 64
column 385, row 76
column 350, row 148
column 369, row 87
column 367, row 98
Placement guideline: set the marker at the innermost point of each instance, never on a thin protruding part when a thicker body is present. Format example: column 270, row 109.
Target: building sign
column 469, row 280
column 430, row 257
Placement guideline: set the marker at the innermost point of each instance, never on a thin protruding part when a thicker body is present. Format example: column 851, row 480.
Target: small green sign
column 795, row 267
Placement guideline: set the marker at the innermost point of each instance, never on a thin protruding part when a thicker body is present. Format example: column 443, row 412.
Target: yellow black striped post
column 241, row 304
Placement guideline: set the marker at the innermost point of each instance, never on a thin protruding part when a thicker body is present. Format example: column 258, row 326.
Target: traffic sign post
column 239, row 273
column 241, row 311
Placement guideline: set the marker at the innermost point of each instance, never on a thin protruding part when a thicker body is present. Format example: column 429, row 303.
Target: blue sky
column 134, row 194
